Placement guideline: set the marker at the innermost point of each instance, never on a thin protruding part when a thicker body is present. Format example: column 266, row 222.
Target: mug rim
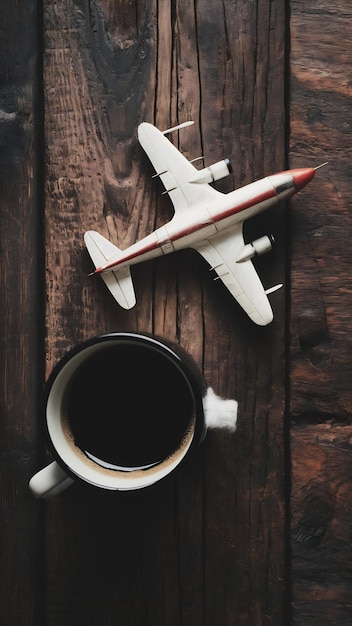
column 176, row 353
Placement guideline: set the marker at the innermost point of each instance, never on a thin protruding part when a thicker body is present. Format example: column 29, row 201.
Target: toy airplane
column 205, row 219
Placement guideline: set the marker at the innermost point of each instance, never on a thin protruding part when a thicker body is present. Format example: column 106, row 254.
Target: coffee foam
column 125, row 475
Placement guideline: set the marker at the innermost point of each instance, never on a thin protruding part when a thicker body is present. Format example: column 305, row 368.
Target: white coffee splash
column 219, row 412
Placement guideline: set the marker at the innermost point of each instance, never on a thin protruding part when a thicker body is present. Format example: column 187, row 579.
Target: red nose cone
column 302, row 176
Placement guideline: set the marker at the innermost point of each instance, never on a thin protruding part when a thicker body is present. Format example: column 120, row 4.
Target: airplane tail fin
column 118, row 281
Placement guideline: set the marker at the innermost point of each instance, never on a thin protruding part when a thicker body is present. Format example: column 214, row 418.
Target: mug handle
column 50, row 481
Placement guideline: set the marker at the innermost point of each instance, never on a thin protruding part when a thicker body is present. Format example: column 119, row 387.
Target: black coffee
column 129, row 406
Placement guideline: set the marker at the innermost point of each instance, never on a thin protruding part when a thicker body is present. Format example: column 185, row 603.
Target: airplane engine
column 213, row 172
column 256, row 248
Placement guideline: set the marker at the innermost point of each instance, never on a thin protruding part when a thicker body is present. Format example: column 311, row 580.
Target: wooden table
column 258, row 529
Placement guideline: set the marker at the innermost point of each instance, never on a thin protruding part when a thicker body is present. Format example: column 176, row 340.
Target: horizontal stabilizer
column 100, row 249
column 120, row 285
column 118, row 281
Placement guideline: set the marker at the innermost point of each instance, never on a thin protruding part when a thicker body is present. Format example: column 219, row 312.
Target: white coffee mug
column 122, row 411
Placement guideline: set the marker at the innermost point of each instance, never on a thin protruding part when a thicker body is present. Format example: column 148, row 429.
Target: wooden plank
column 321, row 315
column 207, row 547
column 22, row 573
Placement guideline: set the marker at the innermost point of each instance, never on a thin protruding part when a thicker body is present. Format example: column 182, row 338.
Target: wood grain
column 320, row 365
column 208, row 547
column 21, row 315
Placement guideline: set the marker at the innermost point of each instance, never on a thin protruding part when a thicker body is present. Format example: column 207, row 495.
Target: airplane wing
column 174, row 170
column 241, row 279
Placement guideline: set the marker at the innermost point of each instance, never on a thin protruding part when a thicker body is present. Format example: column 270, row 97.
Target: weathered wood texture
column 208, row 546
column 21, row 316
column 320, row 357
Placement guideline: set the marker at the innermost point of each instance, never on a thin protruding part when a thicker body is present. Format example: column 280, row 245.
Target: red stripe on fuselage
column 238, row 208
column 262, row 197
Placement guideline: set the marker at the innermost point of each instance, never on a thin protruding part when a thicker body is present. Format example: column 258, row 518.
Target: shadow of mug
column 122, row 411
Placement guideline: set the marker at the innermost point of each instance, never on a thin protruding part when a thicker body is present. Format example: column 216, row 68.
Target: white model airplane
column 207, row 220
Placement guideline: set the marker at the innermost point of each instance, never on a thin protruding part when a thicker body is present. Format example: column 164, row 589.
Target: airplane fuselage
column 209, row 218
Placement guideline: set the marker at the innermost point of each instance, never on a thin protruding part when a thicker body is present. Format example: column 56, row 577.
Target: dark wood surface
column 320, row 320
column 257, row 529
